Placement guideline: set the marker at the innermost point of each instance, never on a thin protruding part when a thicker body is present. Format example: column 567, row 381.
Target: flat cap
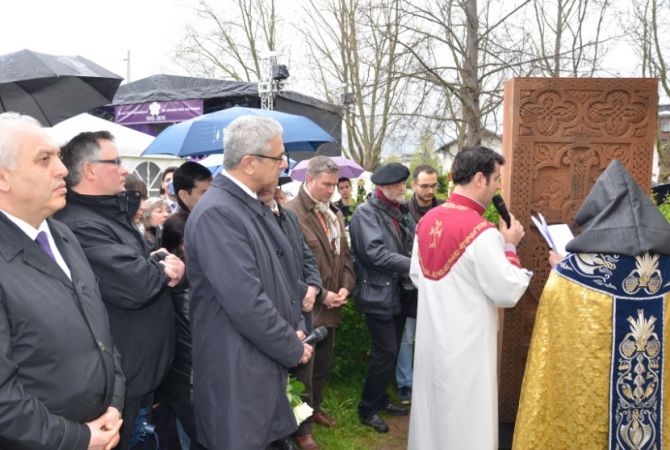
column 390, row 174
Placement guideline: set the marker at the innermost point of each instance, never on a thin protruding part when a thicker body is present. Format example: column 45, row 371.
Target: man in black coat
column 61, row 384
column 382, row 234
column 134, row 283
column 245, row 299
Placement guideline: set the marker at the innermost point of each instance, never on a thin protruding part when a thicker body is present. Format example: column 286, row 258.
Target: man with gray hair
column 323, row 227
column 61, row 384
column 134, row 282
column 382, row 233
column 245, row 298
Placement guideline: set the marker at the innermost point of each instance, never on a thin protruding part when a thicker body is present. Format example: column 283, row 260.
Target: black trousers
column 324, row 353
column 386, row 333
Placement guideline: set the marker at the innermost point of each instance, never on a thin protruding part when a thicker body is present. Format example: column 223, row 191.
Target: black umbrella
column 53, row 88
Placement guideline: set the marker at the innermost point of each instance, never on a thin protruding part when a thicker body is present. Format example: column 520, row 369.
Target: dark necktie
column 43, row 241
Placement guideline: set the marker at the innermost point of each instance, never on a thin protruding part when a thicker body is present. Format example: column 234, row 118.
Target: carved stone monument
column 559, row 135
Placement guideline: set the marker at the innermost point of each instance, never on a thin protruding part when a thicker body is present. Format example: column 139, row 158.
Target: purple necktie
column 43, row 241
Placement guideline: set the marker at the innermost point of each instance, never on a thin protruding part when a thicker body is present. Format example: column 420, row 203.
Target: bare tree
column 353, row 49
column 568, row 36
column 228, row 41
column 466, row 54
column 648, row 23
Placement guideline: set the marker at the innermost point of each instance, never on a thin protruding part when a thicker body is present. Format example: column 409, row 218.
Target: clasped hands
column 336, row 299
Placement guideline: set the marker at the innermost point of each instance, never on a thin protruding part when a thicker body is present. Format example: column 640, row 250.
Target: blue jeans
column 404, row 367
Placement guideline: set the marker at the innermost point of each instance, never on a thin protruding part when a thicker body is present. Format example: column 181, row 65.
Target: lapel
column 16, row 241
column 314, row 222
column 261, row 213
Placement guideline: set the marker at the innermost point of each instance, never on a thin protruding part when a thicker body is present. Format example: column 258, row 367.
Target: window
column 665, row 124
column 150, row 173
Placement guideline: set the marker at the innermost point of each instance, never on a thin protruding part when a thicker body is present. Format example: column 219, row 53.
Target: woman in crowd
column 156, row 211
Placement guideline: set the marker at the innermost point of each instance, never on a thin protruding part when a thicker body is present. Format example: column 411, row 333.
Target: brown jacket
column 336, row 271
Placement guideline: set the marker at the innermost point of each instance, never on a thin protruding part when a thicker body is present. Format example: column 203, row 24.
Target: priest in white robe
column 465, row 269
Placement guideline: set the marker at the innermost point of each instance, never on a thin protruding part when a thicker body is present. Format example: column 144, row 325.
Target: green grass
column 341, row 401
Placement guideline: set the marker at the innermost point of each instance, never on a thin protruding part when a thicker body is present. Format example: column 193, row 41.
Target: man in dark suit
column 61, row 384
column 310, row 285
column 245, row 299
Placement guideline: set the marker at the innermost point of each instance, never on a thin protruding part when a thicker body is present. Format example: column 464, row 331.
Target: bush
column 352, row 344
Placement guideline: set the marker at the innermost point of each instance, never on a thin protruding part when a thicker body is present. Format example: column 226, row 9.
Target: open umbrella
column 214, row 163
column 348, row 168
column 53, row 88
column 204, row 135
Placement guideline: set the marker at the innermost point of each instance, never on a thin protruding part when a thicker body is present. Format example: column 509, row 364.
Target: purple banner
column 157, row 112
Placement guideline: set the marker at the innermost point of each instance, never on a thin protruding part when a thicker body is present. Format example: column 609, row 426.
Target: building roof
column 174, row 87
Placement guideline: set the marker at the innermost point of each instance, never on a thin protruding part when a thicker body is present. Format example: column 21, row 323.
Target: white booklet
column 557, row 236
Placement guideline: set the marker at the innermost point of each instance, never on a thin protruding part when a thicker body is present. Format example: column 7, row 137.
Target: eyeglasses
column 278, row 159
column 428, row 186
column 116, row 162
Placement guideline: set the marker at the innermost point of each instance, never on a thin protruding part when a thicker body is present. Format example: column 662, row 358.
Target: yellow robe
column 565, row 395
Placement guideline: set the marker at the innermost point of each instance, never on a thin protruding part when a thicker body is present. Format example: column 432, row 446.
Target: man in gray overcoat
column 245, row 299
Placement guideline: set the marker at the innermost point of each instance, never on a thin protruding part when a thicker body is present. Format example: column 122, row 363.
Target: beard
column 397, row 197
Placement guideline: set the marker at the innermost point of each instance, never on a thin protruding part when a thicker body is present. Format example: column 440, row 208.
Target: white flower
column 302, row 412
column 154, row 108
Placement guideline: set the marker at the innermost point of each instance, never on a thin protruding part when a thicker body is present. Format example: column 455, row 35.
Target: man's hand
column 174, row 268
column 334, row 300
column 554, row 258
column 301, row 334
column 310, row 298
column 306, row 353
column 514, row 233
column 343, row 294
column 105, row 430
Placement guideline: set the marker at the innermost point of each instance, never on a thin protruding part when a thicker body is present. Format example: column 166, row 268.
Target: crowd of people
column 203, row 300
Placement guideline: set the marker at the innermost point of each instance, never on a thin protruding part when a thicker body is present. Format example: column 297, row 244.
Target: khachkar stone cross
column 559, row 135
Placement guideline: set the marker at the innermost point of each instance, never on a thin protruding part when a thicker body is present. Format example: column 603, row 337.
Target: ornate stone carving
column 559, row 135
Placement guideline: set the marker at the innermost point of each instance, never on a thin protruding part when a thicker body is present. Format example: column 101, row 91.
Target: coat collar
column 233, row 189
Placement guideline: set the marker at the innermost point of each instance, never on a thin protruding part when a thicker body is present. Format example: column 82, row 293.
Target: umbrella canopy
column 348, row 168
column 204, row 135
column 53, row 88
column 215, row 165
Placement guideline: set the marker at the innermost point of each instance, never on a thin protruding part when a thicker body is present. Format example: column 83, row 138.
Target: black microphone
column 500, row 206
column 317, row 335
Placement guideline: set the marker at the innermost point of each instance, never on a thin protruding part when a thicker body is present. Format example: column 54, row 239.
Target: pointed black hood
column 617, row 217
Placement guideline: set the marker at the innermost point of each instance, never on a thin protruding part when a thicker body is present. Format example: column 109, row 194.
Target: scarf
column 331, row 221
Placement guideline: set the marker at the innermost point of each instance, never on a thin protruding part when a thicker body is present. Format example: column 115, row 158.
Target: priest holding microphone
column 465, row 269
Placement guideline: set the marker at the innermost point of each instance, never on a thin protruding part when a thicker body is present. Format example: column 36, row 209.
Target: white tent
column 131, row 144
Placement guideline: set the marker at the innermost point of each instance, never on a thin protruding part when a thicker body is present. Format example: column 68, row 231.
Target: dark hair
column 135, row 183
column 472, row 160
column 81, row 148
column 341, row 179
column 168, row 171
column 173, row 233
column 186, row 176
column 423, row 168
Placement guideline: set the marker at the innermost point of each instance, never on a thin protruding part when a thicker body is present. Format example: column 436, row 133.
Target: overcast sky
column 103, row 31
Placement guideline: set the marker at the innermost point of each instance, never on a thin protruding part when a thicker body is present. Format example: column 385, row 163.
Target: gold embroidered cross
column 435, row 232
